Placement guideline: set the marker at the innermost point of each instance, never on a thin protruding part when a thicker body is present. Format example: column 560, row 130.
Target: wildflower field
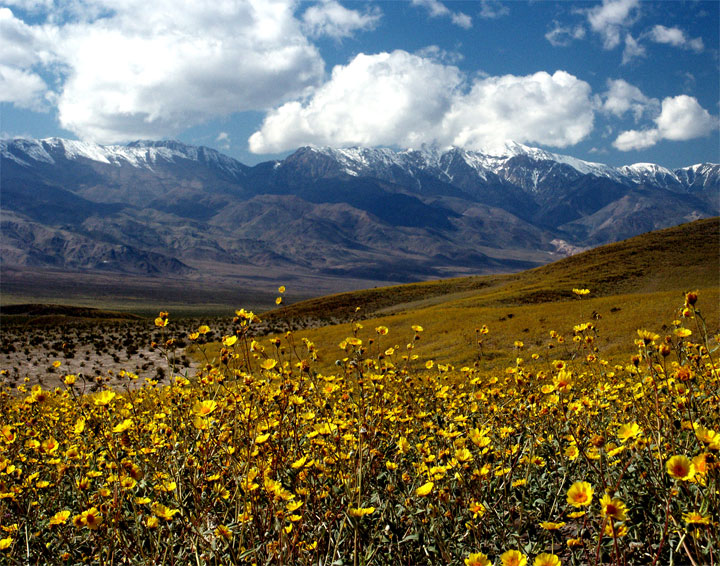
column 508, row 420
column 562, row 457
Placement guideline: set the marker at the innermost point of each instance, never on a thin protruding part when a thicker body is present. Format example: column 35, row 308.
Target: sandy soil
column 95, row 353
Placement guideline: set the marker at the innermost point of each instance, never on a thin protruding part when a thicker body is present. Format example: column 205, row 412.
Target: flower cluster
column 260, row 458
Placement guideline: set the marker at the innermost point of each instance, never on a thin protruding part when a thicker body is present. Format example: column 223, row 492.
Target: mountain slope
column 679, row 258
column 174, row 210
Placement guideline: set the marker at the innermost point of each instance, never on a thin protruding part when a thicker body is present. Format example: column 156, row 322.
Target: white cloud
column 632, row 50
column 622, row 97
column 151, row 69
column 23, row 48
column 437, row 9
column 675, row 37
column 334, row 20
column 29, row 5
column 681, row 119
column 611, row 18
column 18, row 43
column 223, row 138
column 440, row 55
column 547, row 109
column 562, row 36
column 22, row 88
column 383, row 99
column 612, row 21
column 492, row 9
column 402, row 99
column 462, row 20
column 636, row 139
column 696, row 44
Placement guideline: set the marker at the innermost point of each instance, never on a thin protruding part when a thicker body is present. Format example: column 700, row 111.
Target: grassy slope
column 637, row 283
column 684, row 256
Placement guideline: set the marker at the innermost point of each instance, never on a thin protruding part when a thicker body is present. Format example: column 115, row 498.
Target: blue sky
column 616, row 81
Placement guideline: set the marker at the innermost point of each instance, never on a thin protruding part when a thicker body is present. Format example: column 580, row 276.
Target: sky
column 615, row 81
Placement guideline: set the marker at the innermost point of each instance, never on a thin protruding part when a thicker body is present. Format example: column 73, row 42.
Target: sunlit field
column 391, row 457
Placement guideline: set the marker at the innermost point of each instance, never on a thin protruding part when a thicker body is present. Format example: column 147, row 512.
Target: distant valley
column 321, row 220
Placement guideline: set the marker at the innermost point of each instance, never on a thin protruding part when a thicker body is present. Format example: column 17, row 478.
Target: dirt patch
column 97, row 352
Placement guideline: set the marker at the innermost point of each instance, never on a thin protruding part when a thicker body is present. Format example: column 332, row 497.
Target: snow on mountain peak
column 647, row 167
column 532, row 169
column 529, row 167
column 142, row 154
column 644, row 172
column 28, row 147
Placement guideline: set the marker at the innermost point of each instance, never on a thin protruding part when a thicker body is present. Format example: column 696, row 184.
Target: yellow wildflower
column 104, row 397
column 204, row 408
column 694, row 518
column 680, row 468
column 424, row 489
column 513, row 558
column 477, row 559
column 60, row 517
column 580, row 494
column 613, row 508
column 546, row 559
column 361, row 511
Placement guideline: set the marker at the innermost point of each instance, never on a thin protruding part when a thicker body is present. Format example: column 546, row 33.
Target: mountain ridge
column 143, row 152
column 373, row 214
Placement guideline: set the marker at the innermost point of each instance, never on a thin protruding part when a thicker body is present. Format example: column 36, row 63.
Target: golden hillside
column 680, row 257
column 631, row 282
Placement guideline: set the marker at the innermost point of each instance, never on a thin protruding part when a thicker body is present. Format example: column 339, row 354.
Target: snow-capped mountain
column 369, row 213
column 700, row 177
column 532, row 169
column 140, row 154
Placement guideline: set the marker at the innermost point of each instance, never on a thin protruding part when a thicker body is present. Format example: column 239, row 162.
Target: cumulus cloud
column 22, row 88
column 675, row 37
column 623, row 97
column 156, row 67
column 23, row 49
column 681, row 118
column 611, row 18
column 437, row 9
column 334, row 20
column 138, row 69
column 383, row 99
column 541, row 108
column 562, row 36
column 637, row 139
column 402, row 99
column 18, row 41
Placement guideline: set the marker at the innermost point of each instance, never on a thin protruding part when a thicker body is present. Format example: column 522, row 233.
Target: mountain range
column 163, row 208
